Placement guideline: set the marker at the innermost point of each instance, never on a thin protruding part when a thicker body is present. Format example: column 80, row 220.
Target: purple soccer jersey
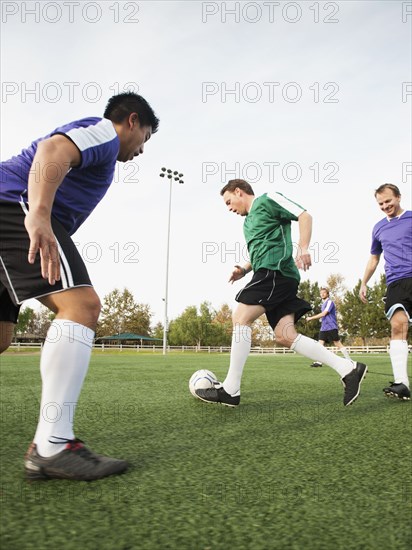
column 329, row 322
column 84, row 186
column 393, row 237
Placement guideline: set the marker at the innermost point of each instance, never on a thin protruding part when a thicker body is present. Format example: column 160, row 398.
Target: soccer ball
column 201, row 379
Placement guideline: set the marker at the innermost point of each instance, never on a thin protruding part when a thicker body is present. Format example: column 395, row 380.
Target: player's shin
column 398, row 352
column 313, row 350
column 64, row 363
column 241, row 343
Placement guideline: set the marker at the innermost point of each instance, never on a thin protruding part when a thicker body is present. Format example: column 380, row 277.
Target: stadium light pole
column 176, row 176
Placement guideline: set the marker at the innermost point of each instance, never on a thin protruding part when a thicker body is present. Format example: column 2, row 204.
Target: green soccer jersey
column 267, row 231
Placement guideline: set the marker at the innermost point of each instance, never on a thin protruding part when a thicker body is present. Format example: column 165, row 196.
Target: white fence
column 20, row 346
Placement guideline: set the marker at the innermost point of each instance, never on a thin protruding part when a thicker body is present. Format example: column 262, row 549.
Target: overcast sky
column 312, row 99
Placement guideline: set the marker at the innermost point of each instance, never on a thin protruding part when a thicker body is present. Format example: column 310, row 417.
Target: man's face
column 235, row 202
column 132, row 139
column 323, row 294
column 389, row 203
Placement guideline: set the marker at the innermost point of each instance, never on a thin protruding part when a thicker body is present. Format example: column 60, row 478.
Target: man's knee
column 399, row 330
column 94, row 306
column 81, row 305
column 399, row 325
column 240, row 319
column 285, row 334
column 6, row 335
column 282, row 339
column 90, row 309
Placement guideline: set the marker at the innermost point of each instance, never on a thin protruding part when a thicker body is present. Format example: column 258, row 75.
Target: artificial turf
column 290, row 468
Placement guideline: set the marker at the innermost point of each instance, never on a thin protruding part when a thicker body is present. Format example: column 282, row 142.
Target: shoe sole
column 397, row 396
column 216, row 402
column 34, row 476
column 360, row 382
column 37, row 475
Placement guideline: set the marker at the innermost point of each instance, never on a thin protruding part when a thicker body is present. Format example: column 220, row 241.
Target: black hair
column 121, row 106
column 241, row 184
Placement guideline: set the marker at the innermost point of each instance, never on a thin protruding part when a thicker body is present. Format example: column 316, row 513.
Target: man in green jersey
column 273, row 288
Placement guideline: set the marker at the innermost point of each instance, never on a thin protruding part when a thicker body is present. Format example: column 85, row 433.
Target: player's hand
column 42, row 240
column 237, row 274
column 308, row 319
column 303, row 260
column 363, row 294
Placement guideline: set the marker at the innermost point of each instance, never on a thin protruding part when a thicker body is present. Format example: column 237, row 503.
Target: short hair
column 391, row 186
column 241, row 184
column 123, row 105
column 324, row 288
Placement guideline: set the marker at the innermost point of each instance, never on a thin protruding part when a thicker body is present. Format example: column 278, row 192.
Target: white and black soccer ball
column 201, row 379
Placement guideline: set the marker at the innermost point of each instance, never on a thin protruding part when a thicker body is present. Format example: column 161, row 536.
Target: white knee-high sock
column 241, row 343
column 398, row 352
column 313, row 350
column 345, row 353
column 63, row 366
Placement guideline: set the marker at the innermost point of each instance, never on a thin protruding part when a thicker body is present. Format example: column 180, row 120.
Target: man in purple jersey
column 46, row 193
column 393, row 237
column 329, row 325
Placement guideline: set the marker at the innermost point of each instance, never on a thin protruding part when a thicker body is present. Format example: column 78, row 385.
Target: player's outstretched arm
column 53, row 159
column 318, row 316
column 239, row 272
column 369, row 271
column 303, row 259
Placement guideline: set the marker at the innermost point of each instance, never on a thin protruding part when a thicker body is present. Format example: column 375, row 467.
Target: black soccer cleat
column 316, row 364
column 399, row 391
column 218, row 395
column 75, row 462
column 352, row 382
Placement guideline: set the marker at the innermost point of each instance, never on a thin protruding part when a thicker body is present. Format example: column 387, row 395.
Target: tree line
column 359, row 324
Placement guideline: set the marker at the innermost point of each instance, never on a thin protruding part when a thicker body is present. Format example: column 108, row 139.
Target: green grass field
column 291, row 468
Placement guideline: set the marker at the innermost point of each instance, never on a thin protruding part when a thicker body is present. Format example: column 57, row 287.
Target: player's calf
column 6, row 334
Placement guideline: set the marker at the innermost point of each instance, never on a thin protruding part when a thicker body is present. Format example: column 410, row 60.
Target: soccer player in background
column 329, row 325
column 272, row 289
column 47, row 192
column 393, row 236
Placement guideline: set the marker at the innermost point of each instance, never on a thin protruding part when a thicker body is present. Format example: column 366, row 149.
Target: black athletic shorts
column 399, row 296
column 329, row 335
column 276, row 293
column 19, row 280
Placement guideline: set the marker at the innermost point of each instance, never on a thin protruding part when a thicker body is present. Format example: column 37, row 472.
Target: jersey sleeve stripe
column 287, row 204
column 93, row 135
